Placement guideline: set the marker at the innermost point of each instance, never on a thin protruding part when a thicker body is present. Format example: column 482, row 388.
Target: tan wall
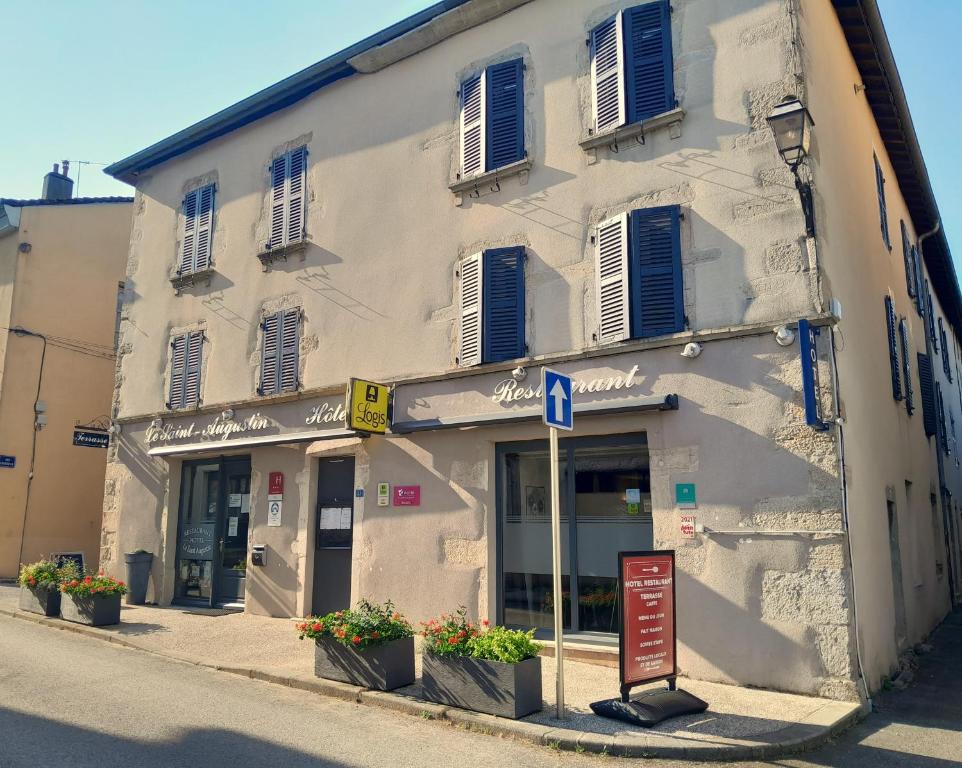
column 66, row 287
column 884, row 447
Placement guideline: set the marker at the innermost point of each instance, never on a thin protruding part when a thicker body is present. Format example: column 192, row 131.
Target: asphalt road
column 67, row 700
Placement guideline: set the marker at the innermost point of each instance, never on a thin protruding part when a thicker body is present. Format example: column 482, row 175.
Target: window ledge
column 270, row 255
column 615, row 136
column 491, row 178
column 187, row 279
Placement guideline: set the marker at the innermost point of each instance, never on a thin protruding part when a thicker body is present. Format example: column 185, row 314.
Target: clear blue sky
column 100, row 79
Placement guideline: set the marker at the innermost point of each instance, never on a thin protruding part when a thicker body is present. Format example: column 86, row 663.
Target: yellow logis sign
column 367, row 406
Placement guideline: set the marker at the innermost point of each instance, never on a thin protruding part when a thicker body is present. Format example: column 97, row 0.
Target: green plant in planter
column 93, row 586
column 501, row 644
column 455, row 635
column 367, row 625
column 46, row 574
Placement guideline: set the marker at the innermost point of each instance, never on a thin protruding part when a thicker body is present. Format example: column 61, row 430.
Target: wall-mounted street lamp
column 792, row 126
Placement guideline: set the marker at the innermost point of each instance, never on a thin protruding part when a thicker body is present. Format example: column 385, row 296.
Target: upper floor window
column 288, row 198
column 927, row 392
column 890, row 325
column 280, row 352
column 186, row 353
column 946, row 362
column 638, row 274
column 491, row 306
column 906, row 366
column 631, row 66
column 198, row 210
column 492, row 118
column 882, row 208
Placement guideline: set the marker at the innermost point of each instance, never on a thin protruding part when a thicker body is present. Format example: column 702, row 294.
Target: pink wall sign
column 407, row 495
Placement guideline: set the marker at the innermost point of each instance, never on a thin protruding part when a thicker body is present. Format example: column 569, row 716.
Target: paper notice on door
column 335, row 518
column 232, row 526
column 234, row 500
column 245, row 504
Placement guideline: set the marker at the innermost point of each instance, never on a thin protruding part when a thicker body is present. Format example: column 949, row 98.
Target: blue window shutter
column 289, row 346
column 188, row 248
column 205, row 225
column 927, row 393
column 470, row 309
column 178, row 362
column 503, row 336
column 657, row 299
column 472, row 126
column 504, row 142
column 882, row 207
column 296, row 194
column 649, row 82
column 608, row 74
column 906, row 366
column 893, row 349
column 279, row 171
column 195, row 346
column 270, row 354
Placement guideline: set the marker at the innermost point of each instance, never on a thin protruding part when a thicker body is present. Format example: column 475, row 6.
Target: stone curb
column 795, row 738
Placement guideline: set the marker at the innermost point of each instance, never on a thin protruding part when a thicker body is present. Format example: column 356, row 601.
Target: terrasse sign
column 511, row 391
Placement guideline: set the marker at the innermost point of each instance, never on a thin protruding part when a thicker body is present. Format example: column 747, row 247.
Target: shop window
column 638, row 274
column 606, row 483
column 631, row 67
column 491, row 306
column 280, row 353
column 186, row 353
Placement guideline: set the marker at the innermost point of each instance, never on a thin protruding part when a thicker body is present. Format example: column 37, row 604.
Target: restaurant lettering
column 510, row 391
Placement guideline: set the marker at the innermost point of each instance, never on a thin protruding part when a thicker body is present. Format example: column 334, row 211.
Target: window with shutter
column 906, row 366
column 882, row 207
column 611, row 278
column 504, row 142
column 470, row 277
column 919, row 281
column 607, row 74
column 472, row 126
column 893, row 349
column 189, row 242
column 927, row 392
column 911, row 283
column 280, row 352
column 185, row 366
column 657, row 302
column 503, row 287
column 930, row 319
column 288, row 198
column 648, row 61
column 632, row 77
column 198, row 208
column 942, row 433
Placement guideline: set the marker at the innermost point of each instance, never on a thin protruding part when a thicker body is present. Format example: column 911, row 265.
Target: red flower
column 485, row 622
column 452, row 641
column 316, row 627
column 356, row 640
column 120, row 584
column 74, row 583
column 88, row 579
column 375, row 635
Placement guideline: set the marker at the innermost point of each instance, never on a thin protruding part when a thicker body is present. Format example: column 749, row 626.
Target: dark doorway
column 898, row 592
column 333, row 535
column 212, row 528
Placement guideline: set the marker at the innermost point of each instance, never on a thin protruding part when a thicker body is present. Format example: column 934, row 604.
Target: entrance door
column 212, row 530
column 333, row 535
column 234, row 524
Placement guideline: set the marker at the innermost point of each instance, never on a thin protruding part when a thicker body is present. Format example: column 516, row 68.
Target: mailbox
column 259, row 555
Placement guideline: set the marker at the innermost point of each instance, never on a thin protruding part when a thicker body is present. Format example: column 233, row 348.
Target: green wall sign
column 685, row 495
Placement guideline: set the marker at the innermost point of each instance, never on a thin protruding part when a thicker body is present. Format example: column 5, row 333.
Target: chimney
column 56, row 185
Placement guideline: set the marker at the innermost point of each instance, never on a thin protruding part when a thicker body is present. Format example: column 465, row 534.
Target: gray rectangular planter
column 93, row 611
column 493, row 687
column 382, row 667
column 38, row 600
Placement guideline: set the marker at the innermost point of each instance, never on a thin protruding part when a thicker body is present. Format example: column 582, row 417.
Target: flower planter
column 382, row 667
column 138, row 574
column 39, row 600
column 492, row 687
column 93, row 611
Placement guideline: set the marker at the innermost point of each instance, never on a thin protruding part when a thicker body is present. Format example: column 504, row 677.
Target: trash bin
column 138, row 574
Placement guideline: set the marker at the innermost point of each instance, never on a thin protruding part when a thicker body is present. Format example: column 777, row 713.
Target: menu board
column 647, row 608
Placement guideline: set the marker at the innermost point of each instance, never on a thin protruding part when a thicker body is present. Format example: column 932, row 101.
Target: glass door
column 212, row 530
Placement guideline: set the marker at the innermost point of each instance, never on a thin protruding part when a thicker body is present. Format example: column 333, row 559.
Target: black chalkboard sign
column 65, row 557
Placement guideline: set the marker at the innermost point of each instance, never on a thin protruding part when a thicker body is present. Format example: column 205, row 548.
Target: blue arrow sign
column 556, row 399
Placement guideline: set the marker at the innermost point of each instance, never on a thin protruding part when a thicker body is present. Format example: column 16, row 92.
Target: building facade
column 490, row 187
column 63, row 259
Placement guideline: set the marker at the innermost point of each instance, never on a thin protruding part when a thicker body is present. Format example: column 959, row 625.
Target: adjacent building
column 492, row 186
column 63, row 261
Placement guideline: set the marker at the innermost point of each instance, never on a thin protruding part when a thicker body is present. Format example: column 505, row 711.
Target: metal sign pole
column 556, row 569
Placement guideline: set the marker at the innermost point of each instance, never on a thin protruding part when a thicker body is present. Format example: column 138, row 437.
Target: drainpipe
column 939, row 456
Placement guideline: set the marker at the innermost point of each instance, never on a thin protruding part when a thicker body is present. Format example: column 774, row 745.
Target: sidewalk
column 740, row 723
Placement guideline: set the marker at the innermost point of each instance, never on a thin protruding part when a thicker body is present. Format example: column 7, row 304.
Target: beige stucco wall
column 885, row 448
column 65, row 287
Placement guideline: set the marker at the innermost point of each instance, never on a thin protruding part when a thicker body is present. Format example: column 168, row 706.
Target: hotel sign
column 368, row 403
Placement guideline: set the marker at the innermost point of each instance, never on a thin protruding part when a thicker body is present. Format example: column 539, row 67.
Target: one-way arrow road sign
column 556, row 399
